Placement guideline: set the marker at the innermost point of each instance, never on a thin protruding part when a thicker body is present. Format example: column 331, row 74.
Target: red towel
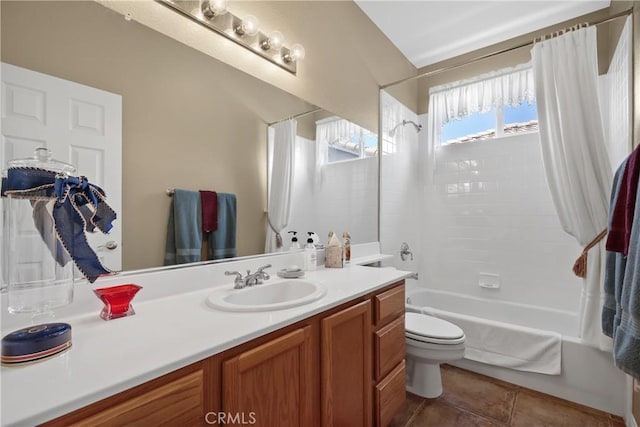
column 622, row 216
column 209, row 201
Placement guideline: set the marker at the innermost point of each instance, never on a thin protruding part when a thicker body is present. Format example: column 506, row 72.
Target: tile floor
column 471, row 399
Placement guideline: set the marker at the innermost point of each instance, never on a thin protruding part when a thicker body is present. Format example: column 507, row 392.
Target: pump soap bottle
column 294, row 242
column 310, row 255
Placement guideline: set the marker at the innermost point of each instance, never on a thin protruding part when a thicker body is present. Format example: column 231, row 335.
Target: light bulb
column 276, row 40
column 213, row 8
column 249, row 26
column 297, row 52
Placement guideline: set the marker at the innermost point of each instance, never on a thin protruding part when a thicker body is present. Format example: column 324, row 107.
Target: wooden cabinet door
column 346, row 367
column 271, row 385
column 173, row 400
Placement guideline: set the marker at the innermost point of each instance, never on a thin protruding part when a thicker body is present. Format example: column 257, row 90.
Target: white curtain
column 575, row 156
column 511, row 86
column 280, row 183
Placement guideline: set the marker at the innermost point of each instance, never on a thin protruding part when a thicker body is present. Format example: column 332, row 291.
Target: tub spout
column 413, row 276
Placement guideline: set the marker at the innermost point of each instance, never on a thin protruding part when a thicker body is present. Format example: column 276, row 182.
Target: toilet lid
column 421, row 325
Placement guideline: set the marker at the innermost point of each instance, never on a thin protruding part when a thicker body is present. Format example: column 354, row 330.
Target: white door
column 81, row 125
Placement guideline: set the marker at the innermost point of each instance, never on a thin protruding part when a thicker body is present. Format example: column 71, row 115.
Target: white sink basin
column 272, row 295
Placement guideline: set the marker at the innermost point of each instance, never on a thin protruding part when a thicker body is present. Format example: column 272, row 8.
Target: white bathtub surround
column 615, row 97
column 368, row 253
column 344, row 200
column 587, row 374
column 489, row 210
column 574, row 155
column 400, row 188
column 172, row 328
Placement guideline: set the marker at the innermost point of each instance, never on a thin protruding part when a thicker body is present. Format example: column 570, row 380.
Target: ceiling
column 429, row 31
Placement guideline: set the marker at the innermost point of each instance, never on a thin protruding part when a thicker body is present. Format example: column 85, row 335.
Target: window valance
column 511, row 86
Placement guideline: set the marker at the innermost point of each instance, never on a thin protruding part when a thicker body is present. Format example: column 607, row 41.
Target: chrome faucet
column 256, row 278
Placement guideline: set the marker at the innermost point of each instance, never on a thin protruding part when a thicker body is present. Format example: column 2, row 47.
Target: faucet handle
column 263, row 275
column 231, row 273
column 260, row 269
column 239, row 281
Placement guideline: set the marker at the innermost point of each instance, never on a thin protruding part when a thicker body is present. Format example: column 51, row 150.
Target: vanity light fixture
column 213, row 14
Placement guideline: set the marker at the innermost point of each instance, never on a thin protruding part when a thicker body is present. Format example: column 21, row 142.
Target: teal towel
column 222, row 242
column 184, row 229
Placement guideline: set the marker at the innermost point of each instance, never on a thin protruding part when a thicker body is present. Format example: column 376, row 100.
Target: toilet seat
column 429, row 329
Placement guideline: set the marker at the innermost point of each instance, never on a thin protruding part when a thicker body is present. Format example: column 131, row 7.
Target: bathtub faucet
column 404, row 251
column 413, row 276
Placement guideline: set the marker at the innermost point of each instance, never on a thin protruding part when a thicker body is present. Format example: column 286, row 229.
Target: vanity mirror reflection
column 188, row 121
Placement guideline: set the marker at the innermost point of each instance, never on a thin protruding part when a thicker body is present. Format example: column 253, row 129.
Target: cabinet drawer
column 390, row 395
column 389, row 347
column 389, row 304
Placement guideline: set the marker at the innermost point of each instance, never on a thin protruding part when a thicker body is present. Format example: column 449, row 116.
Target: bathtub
column 588, row 375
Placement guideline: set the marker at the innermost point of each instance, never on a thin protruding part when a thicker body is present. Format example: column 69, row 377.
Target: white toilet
column 430, row 342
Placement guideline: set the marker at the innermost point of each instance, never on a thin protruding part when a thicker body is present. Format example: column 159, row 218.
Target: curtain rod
column 295, row 116
column 500, row 52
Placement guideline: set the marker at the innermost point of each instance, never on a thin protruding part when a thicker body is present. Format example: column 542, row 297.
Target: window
column 487, row 106
column 506, row 119
column 345, row 140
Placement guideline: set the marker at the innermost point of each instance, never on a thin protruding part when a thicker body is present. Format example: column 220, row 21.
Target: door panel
column 79, row 124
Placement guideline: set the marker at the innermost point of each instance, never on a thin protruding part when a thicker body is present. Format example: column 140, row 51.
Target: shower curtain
column 280, row 183
column 575, row 156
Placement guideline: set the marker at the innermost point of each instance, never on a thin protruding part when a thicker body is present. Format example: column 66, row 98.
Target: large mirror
column 192, row 122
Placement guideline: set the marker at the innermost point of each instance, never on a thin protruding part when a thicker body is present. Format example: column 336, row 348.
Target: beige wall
column 307, row 124
column 347, row 59
column 189, row 121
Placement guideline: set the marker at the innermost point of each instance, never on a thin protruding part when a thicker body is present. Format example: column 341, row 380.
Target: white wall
column 400, row 200
column 489, row 210
column 615, row 100
column 344, row 200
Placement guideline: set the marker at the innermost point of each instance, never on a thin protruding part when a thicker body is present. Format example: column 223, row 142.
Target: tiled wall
column 345, row 199
column 615, row 97
column 489, row 210
column 400, row 200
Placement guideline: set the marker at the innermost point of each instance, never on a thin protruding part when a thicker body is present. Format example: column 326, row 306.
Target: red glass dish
column 117, row 300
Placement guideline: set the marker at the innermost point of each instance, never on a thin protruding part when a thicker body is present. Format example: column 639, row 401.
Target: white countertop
column 172, row 328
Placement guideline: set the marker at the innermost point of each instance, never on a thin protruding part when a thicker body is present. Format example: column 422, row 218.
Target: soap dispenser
column 294, row 241
column 310, row 255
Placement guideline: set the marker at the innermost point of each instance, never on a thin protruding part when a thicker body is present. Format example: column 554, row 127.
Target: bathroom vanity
column 336, row 361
